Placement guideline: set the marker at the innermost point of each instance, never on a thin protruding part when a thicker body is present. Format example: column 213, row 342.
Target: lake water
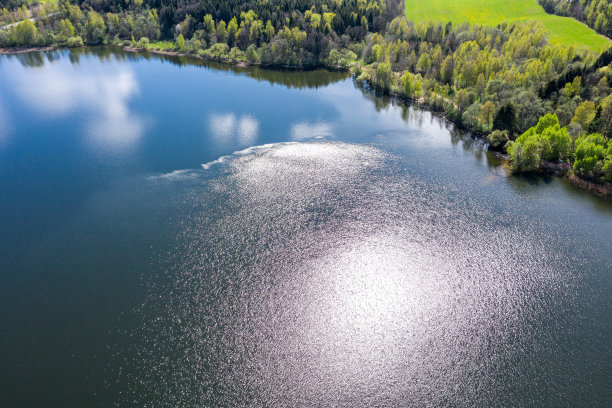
column 175, row 234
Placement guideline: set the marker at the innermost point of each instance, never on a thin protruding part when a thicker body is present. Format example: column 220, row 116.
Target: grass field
column 492, row 12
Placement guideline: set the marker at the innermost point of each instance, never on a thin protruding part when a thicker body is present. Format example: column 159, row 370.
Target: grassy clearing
column 162, row 45
column 564, row 30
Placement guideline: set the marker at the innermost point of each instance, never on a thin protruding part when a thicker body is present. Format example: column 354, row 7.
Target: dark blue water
column 179, row 234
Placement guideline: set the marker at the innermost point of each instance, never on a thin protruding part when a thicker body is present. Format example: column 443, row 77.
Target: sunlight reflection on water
column 321, row 274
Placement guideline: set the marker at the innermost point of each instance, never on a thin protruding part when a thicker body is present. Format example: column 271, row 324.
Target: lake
column 182, row 234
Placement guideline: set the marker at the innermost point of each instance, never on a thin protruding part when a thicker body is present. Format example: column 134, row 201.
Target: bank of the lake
column 23, row 50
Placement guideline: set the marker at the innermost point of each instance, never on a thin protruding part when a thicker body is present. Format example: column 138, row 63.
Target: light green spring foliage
column 543, row 142
column 25, row 32
column 564, row 30
column 593, row 157
column 585, row 113
column 471, row 72
column 548, row 141
column 180, row 42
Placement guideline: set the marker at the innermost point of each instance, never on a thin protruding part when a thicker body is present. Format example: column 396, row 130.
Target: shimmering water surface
column 175, row 234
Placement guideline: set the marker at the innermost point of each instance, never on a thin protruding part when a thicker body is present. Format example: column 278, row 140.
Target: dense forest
column 597, row 14
column 538, row 101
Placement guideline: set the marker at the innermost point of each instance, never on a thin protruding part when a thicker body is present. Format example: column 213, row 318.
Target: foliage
column 23, row 34
column 593, row 152
column 585, row 113
column 74, row 42
column 180, row 42
column 497, row 139
column 543, row 142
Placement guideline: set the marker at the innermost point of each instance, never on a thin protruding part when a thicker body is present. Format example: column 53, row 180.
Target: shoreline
column 239, row 64
column 136, row 50
column 563, row 170
column 23, row 50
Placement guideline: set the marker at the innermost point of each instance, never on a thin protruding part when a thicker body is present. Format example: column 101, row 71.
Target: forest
column 537, row 100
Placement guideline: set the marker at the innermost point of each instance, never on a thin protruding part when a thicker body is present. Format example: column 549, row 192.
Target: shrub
column 251, row 54
column 76, row 41
column 498, row 139
column 551, row 141
column 143, row 43
column 525, row 156
column 590, row 155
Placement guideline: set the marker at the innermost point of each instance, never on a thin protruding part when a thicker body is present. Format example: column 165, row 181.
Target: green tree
column 463, row 100
column 256, row 31
column 25, row 33
column 446, row 72
column 525, row 156
column 585, row 113
column 411, row 85
column 364, row 23
column 505, row 118
column 251, row 54
column 209, row 25
column 559, row 141
column 607, row 168
column 423, row 63
column 497, row 139
column 384, row 75
column 590, row 155
column 487, row 113
column 269, row 31
column 180, row 42
column 95, row 28
column 546, row 121
column 66, row 29
column 221, row 32
column 232, row 30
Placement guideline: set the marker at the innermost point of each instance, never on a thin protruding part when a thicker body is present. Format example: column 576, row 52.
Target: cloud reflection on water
column 60, row 89
column 5, row 126
column 227, row 128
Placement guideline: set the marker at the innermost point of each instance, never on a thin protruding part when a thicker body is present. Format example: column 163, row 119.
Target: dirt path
column 32, row 19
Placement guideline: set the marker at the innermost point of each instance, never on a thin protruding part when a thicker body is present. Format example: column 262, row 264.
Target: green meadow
column 493, row 12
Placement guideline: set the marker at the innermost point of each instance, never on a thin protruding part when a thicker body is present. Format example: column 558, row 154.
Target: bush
column 551, row 141
column 218, row 50
column 590, row 155
column 236, row 54
column 76, row 41
column 143, row 43
column 559, row 141
column 607, row 168
column 525, row 156
column 180, row 42
column 251, row 54
column 498, row 139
